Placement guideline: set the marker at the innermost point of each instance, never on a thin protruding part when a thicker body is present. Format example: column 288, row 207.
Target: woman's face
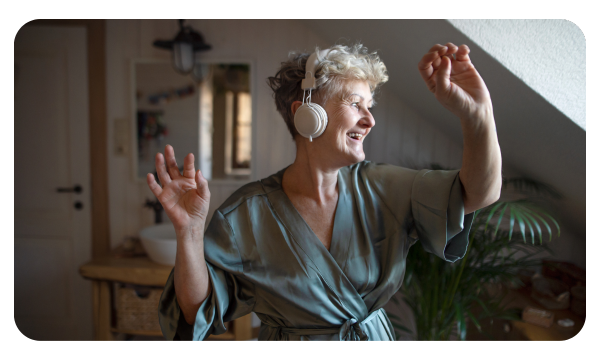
column 349, row 122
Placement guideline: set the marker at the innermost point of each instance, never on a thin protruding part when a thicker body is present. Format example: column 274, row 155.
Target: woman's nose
column 368, row 120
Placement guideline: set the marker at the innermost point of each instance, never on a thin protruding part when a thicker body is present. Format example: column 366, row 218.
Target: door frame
column 98, row 125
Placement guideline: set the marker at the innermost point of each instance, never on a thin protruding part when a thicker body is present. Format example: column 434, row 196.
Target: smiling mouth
column 355, row 136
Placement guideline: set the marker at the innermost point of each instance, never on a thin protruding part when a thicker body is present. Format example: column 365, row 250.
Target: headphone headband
column 309, row 81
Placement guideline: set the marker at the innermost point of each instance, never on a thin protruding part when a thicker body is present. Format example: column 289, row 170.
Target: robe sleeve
column 440, row 222
column 231, row 297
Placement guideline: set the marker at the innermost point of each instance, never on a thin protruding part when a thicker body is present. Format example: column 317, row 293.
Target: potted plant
column 506, row 237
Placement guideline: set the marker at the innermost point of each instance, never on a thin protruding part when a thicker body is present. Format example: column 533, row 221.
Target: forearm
column 481, row 172
column 192, row 283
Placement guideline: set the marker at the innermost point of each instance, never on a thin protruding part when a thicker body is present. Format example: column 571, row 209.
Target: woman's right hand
column 184, row 197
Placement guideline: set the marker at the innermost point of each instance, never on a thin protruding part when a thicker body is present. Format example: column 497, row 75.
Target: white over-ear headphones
column 310, row 119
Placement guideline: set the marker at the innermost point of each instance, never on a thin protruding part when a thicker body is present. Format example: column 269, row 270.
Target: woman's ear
column 295, row 106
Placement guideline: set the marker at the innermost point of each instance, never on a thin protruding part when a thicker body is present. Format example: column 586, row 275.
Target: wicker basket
column 137, row 309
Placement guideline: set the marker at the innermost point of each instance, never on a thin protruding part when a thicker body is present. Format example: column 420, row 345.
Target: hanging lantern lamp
column 185, row 45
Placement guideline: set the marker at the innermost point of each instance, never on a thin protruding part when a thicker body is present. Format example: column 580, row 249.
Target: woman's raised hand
column 450, row 75
column 185, row 197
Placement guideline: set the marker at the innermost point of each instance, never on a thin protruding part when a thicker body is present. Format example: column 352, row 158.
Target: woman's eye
column 355, row 104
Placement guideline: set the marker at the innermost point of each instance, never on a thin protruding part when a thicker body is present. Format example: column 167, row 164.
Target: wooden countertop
column 136, row 269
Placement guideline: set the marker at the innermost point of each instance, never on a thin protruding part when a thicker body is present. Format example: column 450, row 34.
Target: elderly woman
column 317, row 249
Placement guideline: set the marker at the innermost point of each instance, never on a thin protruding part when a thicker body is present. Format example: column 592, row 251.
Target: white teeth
column 355, row 135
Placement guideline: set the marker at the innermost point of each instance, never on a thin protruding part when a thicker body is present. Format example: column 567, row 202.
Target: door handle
column 77, row 189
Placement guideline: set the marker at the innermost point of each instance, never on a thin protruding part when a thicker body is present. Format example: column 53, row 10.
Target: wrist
column 481, row 120
column 484, row 114
column 191, row 234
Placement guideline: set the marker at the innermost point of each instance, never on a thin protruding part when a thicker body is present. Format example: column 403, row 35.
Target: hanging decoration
column 166, row 97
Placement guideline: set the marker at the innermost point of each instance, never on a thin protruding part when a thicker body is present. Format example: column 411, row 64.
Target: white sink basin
column 160, row 243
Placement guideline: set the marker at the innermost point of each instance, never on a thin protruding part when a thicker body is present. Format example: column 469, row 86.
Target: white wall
column 400, row 136
column 548, row 55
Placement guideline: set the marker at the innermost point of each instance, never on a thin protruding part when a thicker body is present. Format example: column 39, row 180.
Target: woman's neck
column 310, row 178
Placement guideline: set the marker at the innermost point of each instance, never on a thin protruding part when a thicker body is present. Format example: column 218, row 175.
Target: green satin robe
column 263, row 257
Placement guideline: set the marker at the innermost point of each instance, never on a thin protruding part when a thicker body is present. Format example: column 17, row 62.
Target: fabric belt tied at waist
column 351, row 330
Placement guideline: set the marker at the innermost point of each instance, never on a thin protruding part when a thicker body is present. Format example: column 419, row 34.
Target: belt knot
column 351, row 331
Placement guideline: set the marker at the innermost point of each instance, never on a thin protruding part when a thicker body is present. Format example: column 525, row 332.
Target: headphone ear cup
column 310, row 120
column 322, row 120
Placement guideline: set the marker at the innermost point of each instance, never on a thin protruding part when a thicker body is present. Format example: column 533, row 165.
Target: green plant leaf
column 492, row 211
column 528, row 215
column 545, row 224
column 520, row 222
column 527, row 223
column 472, row 317
column 512, row 223
column 483, row 306
column 539, row 216
column 460, row 318
column 550, row 217
column 500, row 218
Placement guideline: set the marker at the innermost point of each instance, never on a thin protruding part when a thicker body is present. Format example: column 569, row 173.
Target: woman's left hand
column 450, row 75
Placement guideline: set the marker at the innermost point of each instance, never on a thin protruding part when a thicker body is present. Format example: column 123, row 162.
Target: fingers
column 188, row 166
column 425, row 65
column 154, row 187
column 172, row 167
column 443, row 77
column 433, row 60
column 202, row 185
column 428, row 59
column 438, row 48
column 447, row 49
column 161, row 170
column 430, row 62
column 462, row 54
column 452, row 49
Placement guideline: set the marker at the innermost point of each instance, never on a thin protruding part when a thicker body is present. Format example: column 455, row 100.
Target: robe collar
column 329, row 264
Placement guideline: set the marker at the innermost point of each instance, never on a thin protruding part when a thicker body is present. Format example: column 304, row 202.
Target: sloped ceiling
column 537, row 140
column 534, row 51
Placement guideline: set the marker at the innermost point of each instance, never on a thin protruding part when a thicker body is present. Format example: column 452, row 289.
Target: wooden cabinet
column 108, row 271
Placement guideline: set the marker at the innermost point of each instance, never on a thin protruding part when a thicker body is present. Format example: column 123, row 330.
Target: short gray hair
column 341, row 64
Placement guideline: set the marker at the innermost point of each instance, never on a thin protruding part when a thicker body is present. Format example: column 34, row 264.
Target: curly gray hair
column 340, row 65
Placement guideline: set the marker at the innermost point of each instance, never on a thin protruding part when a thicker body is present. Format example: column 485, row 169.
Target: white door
column 52, row 236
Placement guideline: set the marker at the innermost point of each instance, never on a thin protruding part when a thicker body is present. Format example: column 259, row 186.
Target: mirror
column 207, row 113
